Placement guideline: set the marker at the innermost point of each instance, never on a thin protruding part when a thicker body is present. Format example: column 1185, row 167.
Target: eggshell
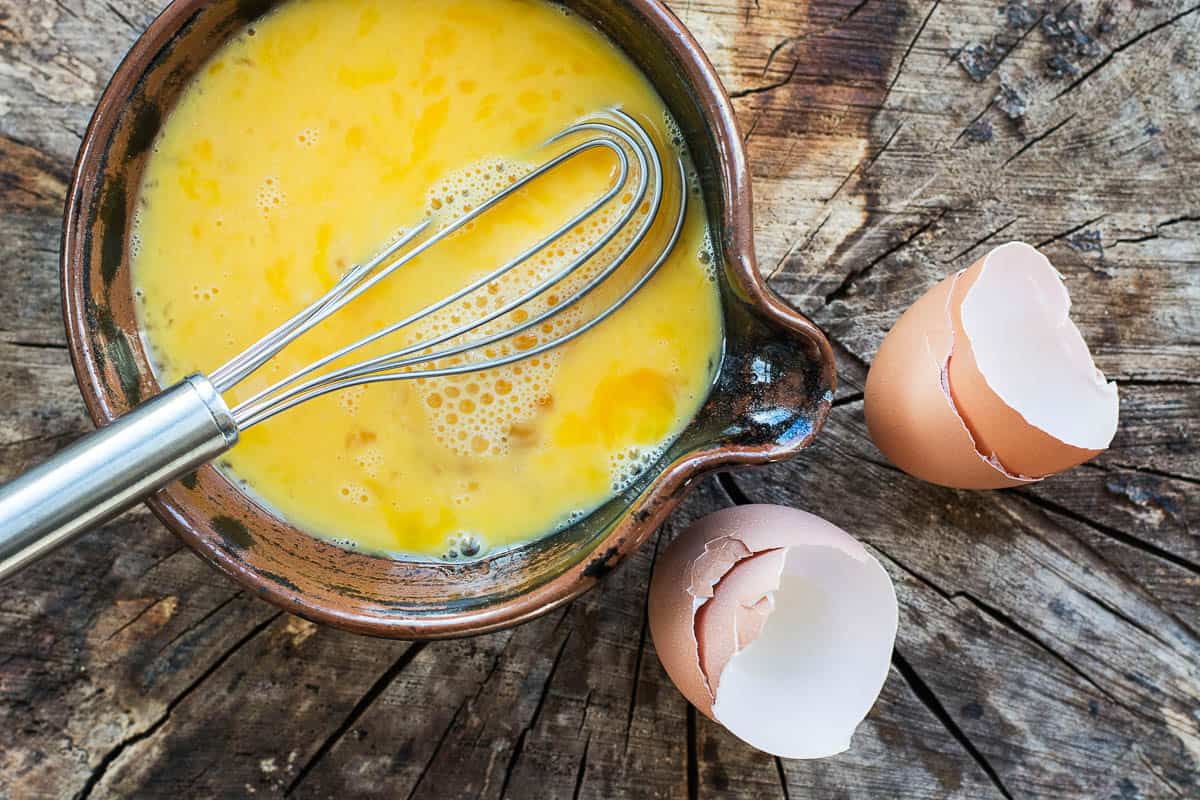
column 684, row 577
column 910, row 414
column 1016, row 311
column 776, row 624
column 735, row 616
column 985, row 382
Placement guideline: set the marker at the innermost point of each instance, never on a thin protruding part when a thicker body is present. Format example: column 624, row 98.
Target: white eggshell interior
column 801, row 688
column 1016, row 318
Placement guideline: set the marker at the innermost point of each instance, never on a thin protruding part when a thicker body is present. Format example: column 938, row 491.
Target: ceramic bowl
column 770, row 397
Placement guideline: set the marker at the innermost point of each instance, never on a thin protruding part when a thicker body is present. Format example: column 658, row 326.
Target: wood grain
column 1049, row 643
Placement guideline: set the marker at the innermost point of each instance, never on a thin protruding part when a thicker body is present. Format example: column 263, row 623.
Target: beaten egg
column 322, row 132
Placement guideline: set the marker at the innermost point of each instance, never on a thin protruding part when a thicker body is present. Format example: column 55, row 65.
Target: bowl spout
column 775, row 386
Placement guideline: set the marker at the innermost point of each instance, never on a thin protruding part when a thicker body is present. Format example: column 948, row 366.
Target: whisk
column 189, row 423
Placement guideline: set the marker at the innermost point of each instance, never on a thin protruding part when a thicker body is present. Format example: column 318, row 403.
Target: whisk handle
column 106, row 472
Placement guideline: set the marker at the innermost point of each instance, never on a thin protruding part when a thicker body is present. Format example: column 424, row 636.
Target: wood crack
column 637, row 663
column 1155, row 234
column 976, row 119
column 112, row 755
column 511, row 766
column 797, row 246
column 1004, row 619
column 137, row 30
column 1153, row 770
column 1121, row 615
column 199, row 622
column 1172, row 382
column 437, row 749
column 770, row 87
column 159, row 561
column 1124, row 46
column 537, row 713
column 958, row 256
column 884, row 465
column 693, row 762
column 926, row 695
column 1146, row 471
column 47, row 438
column 928, row 583
column 66, row 9
column 1056, row 237
column 1132, row 585
column 871, row 161
column 36, row 345
column 1007, row 621
column 136, row 617
column 843, row 288
column 1107, row 530
column 541, row 703
column 1037, row 139
column 783, row 784
column 841, row 185
column 1020, row 40
column 579, row 774
column 370, row 696
column 854, row 397
column 734, row 492
column 752, row 129
column 907, row 51
column 791, row 40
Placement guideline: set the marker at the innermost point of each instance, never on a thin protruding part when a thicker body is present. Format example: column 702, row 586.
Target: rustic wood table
column 1050, row 636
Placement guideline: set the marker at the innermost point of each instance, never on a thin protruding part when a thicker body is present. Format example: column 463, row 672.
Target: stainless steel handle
column 106, row 472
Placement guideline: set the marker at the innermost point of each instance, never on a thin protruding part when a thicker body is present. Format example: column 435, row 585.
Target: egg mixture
column 318, row 135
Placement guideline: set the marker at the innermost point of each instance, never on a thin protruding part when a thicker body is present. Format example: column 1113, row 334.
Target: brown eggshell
column 671, row 609
column 738, row 611
column 908, row 407
column 788, row 618
column 695, row 566
column 999, row 430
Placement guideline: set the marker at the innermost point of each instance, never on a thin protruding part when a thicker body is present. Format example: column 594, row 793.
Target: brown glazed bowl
column 771, row 394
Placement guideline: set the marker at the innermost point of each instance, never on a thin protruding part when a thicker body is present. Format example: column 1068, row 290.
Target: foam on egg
column 627, row 465
column 348, row 399
column 370, row 459
column 308, row 137
column 270, row 196
column 486, row 413
column 135, row 235
column 355, row 493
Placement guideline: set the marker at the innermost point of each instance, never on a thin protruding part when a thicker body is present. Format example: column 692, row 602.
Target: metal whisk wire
column 621, row 139
column 189, row 424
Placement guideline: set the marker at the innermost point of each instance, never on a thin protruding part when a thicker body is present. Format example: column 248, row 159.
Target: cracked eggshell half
column 907, row 403
column 1021, row 374
column 775, row 624
column 985, row 383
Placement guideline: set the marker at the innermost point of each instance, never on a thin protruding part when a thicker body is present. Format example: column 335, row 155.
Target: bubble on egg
column 708, row 256
column 308, row 137
column 626, row 465
column 348, row 399
column 486, row 413
column 674, row 132
column 464, row 545
column 270, row 196
column 370, row 459
column 135, row 235
column 355, row 494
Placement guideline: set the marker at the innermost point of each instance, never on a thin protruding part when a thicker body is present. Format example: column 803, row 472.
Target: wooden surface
column 1050, row 636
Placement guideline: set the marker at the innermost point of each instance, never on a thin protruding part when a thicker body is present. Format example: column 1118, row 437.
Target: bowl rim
column 660, row 497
